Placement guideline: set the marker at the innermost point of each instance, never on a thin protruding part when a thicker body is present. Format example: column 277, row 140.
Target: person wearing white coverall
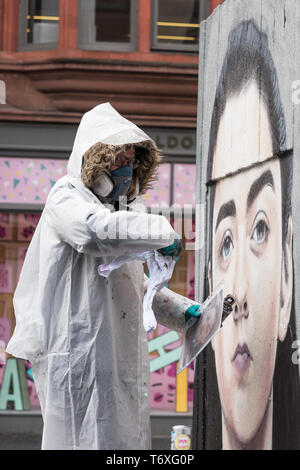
column 82, row 333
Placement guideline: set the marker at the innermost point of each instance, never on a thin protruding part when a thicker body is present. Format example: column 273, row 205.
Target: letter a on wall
column 14, row 386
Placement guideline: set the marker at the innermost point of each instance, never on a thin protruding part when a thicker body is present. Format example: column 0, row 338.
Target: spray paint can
column 181, row 438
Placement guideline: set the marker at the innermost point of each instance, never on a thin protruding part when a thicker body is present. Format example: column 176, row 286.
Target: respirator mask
column 115, row 185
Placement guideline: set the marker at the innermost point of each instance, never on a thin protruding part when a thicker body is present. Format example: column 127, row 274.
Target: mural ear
column 286, row 283
column 210, row 292
column 209, row 278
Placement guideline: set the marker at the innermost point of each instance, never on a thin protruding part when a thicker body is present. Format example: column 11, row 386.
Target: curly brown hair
column 98, row 159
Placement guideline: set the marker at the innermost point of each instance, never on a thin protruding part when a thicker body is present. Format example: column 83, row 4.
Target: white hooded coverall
column 82, row 333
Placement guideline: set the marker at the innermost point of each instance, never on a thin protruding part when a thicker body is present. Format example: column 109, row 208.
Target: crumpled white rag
column 160, row 272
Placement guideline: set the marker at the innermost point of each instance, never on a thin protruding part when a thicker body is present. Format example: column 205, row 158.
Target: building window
column 38, row 24
column 107, row 25
column 175, row 25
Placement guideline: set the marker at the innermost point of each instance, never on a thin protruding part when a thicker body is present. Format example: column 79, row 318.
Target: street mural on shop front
column 249, row 178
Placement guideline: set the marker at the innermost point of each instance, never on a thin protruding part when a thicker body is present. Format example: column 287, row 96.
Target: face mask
column 122, row 179
column 117, row 184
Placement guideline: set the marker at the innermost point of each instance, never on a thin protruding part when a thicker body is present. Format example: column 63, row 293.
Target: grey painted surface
column 23, row 430
column 40, row 140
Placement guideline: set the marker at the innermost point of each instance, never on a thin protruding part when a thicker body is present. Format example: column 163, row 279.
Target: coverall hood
column 101, row 135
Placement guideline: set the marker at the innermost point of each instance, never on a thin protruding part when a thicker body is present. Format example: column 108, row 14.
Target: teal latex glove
column 193, row 311
column 173, row 250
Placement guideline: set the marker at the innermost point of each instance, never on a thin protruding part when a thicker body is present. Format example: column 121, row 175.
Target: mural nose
column 240, row 310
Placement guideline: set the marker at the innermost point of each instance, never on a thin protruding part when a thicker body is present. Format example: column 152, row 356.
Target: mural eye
column 260, row 232
column 227, row 246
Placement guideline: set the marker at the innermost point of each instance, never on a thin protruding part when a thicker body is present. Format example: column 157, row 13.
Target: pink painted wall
column 160, row 194
column 184, row 184
column 28, row 181
column 163, row 381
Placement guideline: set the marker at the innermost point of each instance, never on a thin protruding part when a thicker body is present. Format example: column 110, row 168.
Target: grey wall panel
column 295, row 97
column 247, row 389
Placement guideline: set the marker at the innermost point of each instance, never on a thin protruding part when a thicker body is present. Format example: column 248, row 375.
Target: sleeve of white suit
column 93, row 229
column 160, row 271
column 169, row 308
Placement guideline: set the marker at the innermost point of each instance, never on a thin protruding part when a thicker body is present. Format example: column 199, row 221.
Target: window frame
column 84, row 42
column 158, row 46
column 22, row 43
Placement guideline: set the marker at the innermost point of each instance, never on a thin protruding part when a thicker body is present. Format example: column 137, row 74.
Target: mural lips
column 242, row 358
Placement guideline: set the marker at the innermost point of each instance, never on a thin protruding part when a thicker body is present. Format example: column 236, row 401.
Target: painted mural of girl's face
column 247, row 253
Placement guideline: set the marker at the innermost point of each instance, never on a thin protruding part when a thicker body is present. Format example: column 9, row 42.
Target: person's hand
column 227, row 306
column 193, row 311
column 174, row 249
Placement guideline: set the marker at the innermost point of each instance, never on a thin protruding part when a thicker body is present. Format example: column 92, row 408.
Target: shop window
column 168, row 391
column 38, row 20
column 175, row 25
column 16, row 232
column 107, row 25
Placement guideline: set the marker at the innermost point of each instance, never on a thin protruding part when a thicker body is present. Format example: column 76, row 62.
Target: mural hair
column 248, row 58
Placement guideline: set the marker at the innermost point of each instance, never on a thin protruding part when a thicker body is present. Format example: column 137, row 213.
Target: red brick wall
column 214, row 4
